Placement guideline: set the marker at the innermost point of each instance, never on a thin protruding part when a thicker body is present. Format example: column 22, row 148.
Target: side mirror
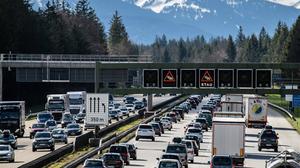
column 136, row 147
column 208, row 162
column 157, row 159
column 164, row 150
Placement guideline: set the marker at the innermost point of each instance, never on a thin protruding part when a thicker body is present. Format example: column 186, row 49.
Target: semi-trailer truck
column 232, row 102
column 256, row 111
column 57, row 105
column 228, row 138
column 231, row 114
column 77, row 102
column 12, row 117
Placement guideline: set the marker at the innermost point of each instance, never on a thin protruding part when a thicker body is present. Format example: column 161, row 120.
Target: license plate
column 268, row 144
column 73, row 133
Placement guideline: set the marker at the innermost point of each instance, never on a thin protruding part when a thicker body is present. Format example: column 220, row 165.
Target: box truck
column 231, row 114
column 256, row 111
column 57, row 105
column 12, row 117
column 228, row 138
column 232, row 102
column 77, row 102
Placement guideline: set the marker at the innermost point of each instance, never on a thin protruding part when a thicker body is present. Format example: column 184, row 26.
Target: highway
column 148, row 151
column 24, row 152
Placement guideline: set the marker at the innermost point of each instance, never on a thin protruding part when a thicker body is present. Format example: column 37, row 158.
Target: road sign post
column 169, row 78
column 207, row 78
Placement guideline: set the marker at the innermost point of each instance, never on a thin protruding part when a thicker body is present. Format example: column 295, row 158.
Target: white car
column 167, row 163
column 124, row 111
column 195, row 131
column 7, row 153
column 167, row 123
column 130, row 107
column 145, row 131
column 190, row 150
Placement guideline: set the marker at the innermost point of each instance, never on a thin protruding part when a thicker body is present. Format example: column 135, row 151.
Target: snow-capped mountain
column 144, row 19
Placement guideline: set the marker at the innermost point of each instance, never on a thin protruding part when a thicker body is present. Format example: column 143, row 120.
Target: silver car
column 221, row 161
column 7, row 153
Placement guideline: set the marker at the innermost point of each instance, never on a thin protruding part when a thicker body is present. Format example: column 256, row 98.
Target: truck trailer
column 57, row 105
column 77, row 102
column 256, row 111
column 232, row 102
column 228, row 138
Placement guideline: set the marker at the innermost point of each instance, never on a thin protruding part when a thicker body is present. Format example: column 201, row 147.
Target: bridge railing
column 75, row 57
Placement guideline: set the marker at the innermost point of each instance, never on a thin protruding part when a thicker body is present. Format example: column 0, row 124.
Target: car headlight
column 50, row 141
column 9, row 154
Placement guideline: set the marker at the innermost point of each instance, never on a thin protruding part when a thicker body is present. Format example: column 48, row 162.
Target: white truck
column 256, row 111
column 231, row 114
column 57, row 105
column 77, row 102
column 232, row 102
column 12, row 117
column 96, row 111
column 228, row 138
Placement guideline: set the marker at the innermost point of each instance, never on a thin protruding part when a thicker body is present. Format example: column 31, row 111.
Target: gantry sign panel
column 169, row 78
column 207, row 78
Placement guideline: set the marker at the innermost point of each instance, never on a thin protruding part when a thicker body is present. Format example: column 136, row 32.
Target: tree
column 167, row 57
column 230, row 50
column 264, row 43
column 293, row 49
column 240, row 43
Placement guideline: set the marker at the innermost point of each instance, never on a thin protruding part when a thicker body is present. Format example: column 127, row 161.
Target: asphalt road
column 148, row 151
column 24, row 152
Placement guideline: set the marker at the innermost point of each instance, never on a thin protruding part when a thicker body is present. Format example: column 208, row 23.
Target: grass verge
column 278, row 100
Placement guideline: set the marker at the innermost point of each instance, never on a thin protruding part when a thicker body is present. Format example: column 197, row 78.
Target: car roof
column 118, row 154
column 169, row 160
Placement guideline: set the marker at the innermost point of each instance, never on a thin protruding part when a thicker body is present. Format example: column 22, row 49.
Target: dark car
column 179, row 149
column 220, row 161
column 156, row 128
column 79, row 118
column 195, row 146
column 179, row 111
column 67, row 119
column 193, row 137
column 73, row 129
column 113, row 159
column 138, row 105
column 37, row 128
column 122, row 150
column 208, row 118
column 193, row 103
column 132, row 150
column 203, row 123
column 6, row 138
column 268, row 140
column 42, row 117
column 94, row 163
column 177, row 140
column 173, row 116
column 43, row 140
column 60, row 135
column 157, row 120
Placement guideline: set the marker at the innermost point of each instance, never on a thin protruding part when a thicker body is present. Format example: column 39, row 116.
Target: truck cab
column 57, row 105
column 12, row 117
column 77, row 102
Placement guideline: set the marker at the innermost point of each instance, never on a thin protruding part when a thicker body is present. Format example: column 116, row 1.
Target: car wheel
column 134, row 158
column 276, row 149
column 66, row 142
column 52, row 148
column 12, row 160
column 159, row 134
column 33, row 149
column 206, row 129
column 15, row 147
column 127, row 163
column 186, row 166
column 118, row 119
column 192, row 161
column 136, row 138
column 153, row 139
column 170, row 129
column 30, row 136
column 259, row 148
column 197, row 154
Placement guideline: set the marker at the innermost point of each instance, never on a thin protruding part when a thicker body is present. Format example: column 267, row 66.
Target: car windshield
column 9, row 113
column 43, row 135
column 269, row 136
column 129, row 105
column 58, row 132
column 155, row 125
column 45, row 116
column 167, row 164
column 176, row 149
column 81, row 115
column 118, row 149
column 145, row 127
column 94, row 163
column 222, row 161
column 111, row 157
column 170, row 157
column 4, row 148
column 38, row 126
column 68, row 117
column 194, row 131
column 201, row 120
column 138, row 103
column 76, row 101
column 188, row 144
column 191, row 137
column 56, row 104
column 51, row 123
column 7, row 136
column 73, row 126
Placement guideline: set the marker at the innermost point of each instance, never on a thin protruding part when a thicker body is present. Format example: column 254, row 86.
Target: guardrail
column 283, row 110
column 105, row 145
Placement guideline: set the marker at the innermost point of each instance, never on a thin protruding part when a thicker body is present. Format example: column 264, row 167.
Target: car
column 42, row 117
column 195, row 146
column 221, row 161
column 124, row 111
column 43, row 140
column 130, row 100
column 195, row 131
column 268, row 140
column 73, row 129
column 207, row 116
column 190, row 150
column 157, row 95
column 177, row 139
column 115, row 114
column 167, row 123
column 158, row 120
column 168, row 163
column 67, row 119
column 79, row 118
column 179, row 149
column 157, row 128
column 194, row 138
column 122, row 150
column 170, row 156
column 117, row 105
column 179, row 112
column 130, row 107
column 51, row 125
column 203, row 123
column 94, row 163
column 138, row 105
column 132, row 150
column 188, row 126
column 60, row 135
column 113, row 160
column 7, row 153
column 145, row 131
column 36, row 128
column 173, row 116
column 6, row 138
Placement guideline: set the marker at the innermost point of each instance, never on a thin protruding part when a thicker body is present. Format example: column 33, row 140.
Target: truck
column 12, row 117
column 228, row 114
column 228, row 138
column 256, row 111
column 77, row 102
column 232, row 102
column 57, row 105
